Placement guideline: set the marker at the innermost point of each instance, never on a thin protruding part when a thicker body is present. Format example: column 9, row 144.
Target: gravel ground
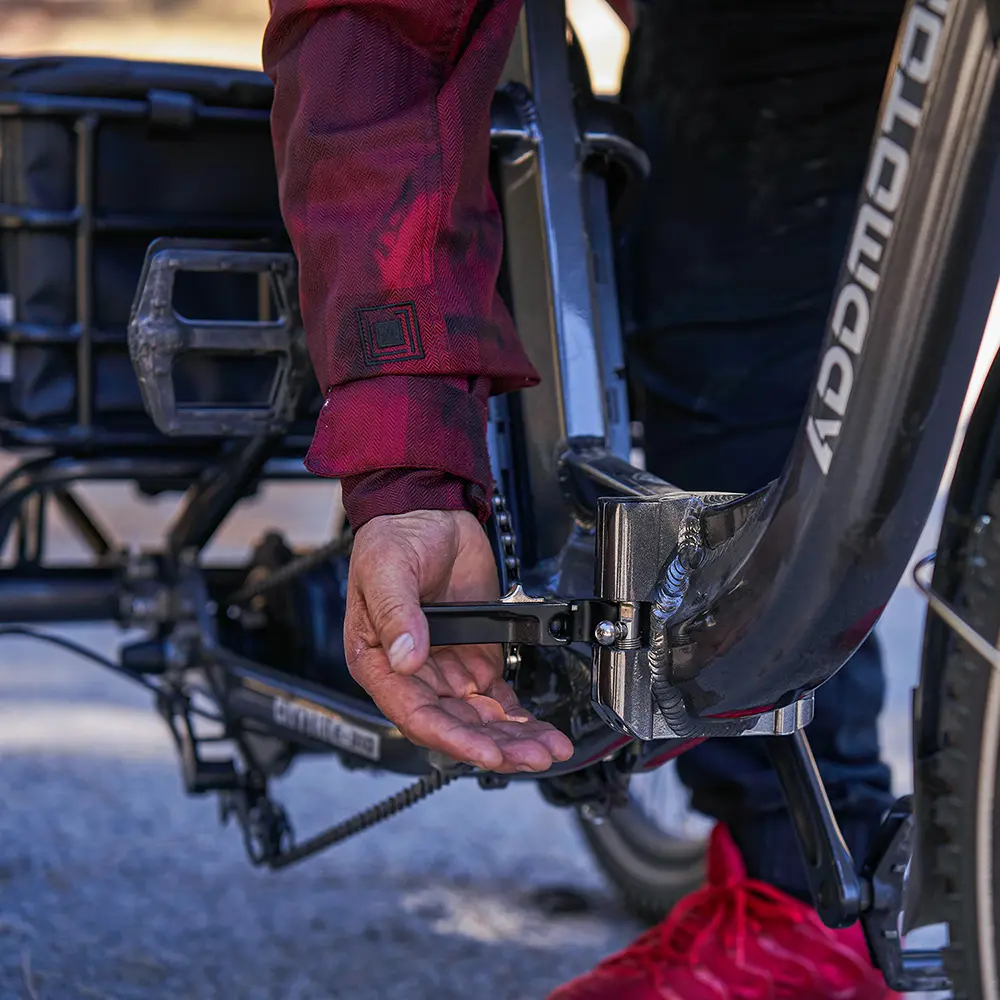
column 113, row 885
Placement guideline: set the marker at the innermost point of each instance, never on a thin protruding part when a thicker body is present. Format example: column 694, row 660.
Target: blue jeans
column 758, row 118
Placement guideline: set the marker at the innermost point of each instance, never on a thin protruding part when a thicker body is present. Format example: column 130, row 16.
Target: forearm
column 381, row 133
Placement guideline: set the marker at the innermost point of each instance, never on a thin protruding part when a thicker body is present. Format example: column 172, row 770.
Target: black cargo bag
column 99, row 158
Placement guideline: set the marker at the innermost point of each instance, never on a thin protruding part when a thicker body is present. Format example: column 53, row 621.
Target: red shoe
column 736, row 939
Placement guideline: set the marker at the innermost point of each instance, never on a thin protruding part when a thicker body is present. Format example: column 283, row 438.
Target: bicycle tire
column 650, row 868
column 958, row 725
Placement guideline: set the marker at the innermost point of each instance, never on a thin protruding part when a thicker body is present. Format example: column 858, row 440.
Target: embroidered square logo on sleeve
column 390, row 333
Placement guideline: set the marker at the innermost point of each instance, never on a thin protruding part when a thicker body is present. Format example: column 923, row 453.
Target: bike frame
column 803, row 568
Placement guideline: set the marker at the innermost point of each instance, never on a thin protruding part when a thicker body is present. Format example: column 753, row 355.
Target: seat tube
column 550, row 270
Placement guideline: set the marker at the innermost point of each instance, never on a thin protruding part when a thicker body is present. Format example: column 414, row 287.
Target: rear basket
column 101, row 157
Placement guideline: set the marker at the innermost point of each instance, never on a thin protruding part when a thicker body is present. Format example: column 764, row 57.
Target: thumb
column 392, row 596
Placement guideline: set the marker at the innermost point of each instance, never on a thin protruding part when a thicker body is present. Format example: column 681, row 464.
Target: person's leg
column 757, row 118
column 733, row 781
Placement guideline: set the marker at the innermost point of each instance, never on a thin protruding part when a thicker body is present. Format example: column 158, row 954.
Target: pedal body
column 161, row 340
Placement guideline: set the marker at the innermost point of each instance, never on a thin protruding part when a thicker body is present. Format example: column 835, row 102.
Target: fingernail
column 400, row 649
column 525, row 767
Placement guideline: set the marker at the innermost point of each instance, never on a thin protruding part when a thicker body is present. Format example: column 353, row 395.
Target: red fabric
column 736, row 939
column 625, row 9
column 423, row 457
column 381, row 135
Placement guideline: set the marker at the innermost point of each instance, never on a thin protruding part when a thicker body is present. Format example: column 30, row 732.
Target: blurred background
column 223, row 32
column 114, row 886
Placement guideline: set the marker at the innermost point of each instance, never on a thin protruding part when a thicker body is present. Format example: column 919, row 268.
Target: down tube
column 911, row 305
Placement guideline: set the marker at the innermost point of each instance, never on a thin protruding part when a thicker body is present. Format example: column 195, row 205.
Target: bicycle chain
column 272, row 852
column 510, row 568
column 506, row 539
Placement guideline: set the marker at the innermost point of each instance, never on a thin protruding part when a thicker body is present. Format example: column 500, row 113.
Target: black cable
column 100, row 660
column 81, row 651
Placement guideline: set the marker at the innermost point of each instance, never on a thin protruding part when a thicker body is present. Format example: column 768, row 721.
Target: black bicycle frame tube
column 80, row 594
column 834, row 534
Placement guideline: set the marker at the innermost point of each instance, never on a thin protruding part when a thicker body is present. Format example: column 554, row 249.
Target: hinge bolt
column 608, row 633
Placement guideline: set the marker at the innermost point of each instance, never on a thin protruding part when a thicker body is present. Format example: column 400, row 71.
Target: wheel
column 652, row 850
column 957, row 729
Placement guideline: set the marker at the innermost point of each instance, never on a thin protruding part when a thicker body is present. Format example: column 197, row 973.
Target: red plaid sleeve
column 381, row 131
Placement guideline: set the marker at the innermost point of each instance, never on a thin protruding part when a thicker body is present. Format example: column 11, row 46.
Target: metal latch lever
column 517, row 618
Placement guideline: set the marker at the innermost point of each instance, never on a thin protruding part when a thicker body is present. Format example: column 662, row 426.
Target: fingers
column 384, row 593
column 529, row 747
column 520, row 743
column 558, row 745
column 438, row 728
column 465, row 670
column 452, row 675
column 474, row 728
column 521, row 737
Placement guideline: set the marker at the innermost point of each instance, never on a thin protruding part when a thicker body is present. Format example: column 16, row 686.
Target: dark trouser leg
column 758, row 118
column 733, row 781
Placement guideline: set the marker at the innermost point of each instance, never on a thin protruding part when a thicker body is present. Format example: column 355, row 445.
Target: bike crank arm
column 840, row 893
column 527, row 621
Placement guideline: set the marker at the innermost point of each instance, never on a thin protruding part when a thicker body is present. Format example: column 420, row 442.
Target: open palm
column 452, row 698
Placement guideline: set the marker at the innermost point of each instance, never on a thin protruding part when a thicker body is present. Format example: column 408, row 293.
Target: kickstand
column 842, row 896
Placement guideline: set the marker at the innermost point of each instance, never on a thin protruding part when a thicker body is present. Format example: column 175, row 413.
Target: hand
column 453, row 698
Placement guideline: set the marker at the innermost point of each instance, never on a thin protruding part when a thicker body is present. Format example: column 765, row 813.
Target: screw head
column 606, row 633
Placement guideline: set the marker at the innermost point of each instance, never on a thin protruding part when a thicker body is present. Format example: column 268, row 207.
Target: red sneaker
column 736, row 939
